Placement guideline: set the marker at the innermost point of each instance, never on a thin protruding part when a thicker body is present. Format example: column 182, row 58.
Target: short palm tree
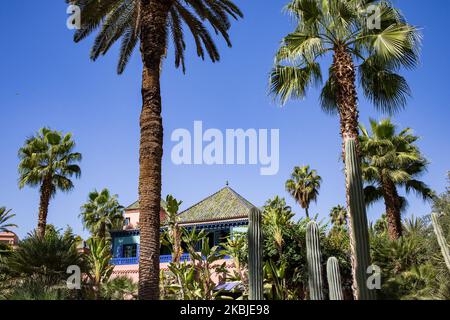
column 48, row 161
column 304, row 186
column 119, row 288
column 338, row 215
column 367, row 42
column 5, row 216
column 102, row 213
column 45, row 257
column 151, row 23
column 390, row 161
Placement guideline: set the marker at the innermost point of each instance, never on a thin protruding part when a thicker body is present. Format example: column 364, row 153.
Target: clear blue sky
column 47, row 80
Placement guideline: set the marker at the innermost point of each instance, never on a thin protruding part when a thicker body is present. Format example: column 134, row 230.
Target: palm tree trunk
column 393, row 209
column 178, row 242
column 345, row 77
column 153, row 42
column 102, row 231
column 46, row 193
column 307, row 212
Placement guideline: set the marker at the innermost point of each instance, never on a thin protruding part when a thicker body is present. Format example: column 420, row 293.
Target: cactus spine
column 441, row 239
column 313, row 257
column 255, row 246
column 334, row 279
column 359, row 234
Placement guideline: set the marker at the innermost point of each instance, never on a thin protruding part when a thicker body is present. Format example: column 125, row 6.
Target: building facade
column 221, row 214
column 9, row 238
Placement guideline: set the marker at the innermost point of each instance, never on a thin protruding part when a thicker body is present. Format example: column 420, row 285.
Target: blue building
column 221, row 214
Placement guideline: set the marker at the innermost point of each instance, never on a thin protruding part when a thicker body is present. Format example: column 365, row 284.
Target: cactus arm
column 314, row 263
column 441, row 239
column 255, row 246
column 334, row 279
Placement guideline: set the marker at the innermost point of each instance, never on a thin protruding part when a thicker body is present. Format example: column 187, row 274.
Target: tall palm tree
column 152, row 22
column 391, row 160
column 102, row 213
column 338, row 215
column 48, row 160
column 370, row 38
column 6, row 215
column 304, row 186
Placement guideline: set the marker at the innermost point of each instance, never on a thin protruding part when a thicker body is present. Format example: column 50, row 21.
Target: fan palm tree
column 151, row 23
column 47, row 160
column 102, row 213
column 338, row 215
column 391, row 160
column 304, row 186
column 119, row 288
column 45, row 257
column 6, row 215
column 370, row 38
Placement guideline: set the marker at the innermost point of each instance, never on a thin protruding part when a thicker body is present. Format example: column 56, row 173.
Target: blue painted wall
column 118, row 242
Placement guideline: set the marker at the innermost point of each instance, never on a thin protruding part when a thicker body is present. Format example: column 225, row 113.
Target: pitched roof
column 224, row 204
column 135, row 205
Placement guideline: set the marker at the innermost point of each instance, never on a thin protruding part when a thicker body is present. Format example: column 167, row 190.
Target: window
column 211, row 238
column 165, row 251
column 221, row 237
column 127, row 221
column 129, row 250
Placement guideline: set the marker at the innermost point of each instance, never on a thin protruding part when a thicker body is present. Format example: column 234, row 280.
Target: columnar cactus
column 359, row 233
column 313, row 258
column 334, row 279
column 255, row 254
column 441, row 239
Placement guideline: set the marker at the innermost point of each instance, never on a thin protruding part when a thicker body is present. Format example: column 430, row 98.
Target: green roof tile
column 135, row 205
column 222, row 205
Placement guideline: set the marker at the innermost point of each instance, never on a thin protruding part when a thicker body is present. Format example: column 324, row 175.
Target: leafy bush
column 119, row 288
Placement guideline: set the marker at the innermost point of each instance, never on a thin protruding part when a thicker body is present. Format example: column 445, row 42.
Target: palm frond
column 387, row 90
column 288, row 82
column 120, row 20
